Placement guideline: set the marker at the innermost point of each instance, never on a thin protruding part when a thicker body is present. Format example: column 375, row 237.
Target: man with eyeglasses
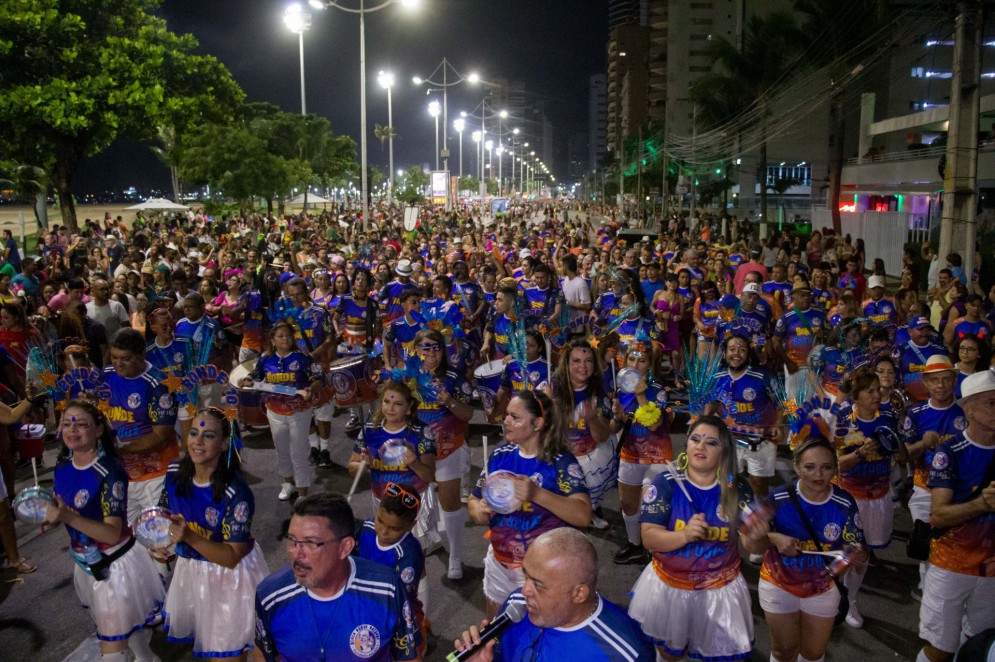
column 565, row 617
column 326, row 604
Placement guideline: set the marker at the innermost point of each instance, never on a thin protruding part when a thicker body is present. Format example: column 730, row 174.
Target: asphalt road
column 41, row 619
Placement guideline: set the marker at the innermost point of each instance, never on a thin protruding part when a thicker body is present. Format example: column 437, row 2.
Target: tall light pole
column 386, row 80
column 460, row 124
column 298, row 21
column 434, row 110
column 363, row 10
column 500, row 155
column 444, row 85
column 476, row 135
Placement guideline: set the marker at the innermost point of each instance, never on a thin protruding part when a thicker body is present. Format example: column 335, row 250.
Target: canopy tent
column 312, row 200
column 157, row 204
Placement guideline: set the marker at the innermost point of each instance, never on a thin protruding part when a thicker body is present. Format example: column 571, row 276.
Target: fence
column 884, row 233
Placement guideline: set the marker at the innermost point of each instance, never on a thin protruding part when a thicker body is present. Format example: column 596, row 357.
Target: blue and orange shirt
column 746, row 403
column 912, row 361
column 256, row 322
column 579, row 438
column 405, row 557
column 798, row 331
column 296, row 369
column 447, row 431
column 947, row 422
column 882, row 311
column 96, row 491
column 387, row 465
column 871, row 477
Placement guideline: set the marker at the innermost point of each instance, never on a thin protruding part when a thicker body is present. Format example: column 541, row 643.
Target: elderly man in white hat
column 926, row 426
column 959, row 588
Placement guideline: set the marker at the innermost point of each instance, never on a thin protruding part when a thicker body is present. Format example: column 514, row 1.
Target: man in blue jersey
column 565, row 617
column 327, row 605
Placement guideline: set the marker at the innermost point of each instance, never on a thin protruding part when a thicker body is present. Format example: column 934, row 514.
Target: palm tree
column 843, row 31
column 384, row 133
column 741, row 79
column 29, row 181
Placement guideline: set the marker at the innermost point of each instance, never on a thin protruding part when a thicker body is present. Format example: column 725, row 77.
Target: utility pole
column 960, row 181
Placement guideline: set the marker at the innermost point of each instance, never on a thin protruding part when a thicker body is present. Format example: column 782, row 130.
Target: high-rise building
column 628, row 50
column 597, row 119
column 624, row 12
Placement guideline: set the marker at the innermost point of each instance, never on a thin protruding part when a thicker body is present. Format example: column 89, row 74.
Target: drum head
column 499, row 492
column 241, row 371
column 152, row 528
column 30, row 504
column 628, row 380
column 495, row 367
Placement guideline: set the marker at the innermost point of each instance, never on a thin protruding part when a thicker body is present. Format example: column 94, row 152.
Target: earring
column 682, row 461
column 536, row 429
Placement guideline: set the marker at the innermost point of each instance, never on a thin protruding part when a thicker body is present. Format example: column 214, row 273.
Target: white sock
column 922, row 574
column 139, row 645
column 324, row 442
column 922, row 657
column 423, row 595
column 802, row 658
column 853, row 580
column 455, row 523
column 114, row 657
column 632, row 528
column 312, row 440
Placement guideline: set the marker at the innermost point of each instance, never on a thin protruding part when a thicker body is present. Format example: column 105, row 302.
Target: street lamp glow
column 459, row 124
column 515, row 131
column 489, row 144
column 434, row 109
column 417, row 80
column 400, row 173
column 410, row 4
column 386, row 79
column 503, row 114
column 296, row 19
column 462, row 113
column 473, row 77
column 500, row 149
column 476, row 136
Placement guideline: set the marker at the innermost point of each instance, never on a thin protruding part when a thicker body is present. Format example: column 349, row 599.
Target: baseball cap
column 751, row 288
column 938, row 363
column 875, row 281
column 979, row 382
column 524, row 253
column 921, row 322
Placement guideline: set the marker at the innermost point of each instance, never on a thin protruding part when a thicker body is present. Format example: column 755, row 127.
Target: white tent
column 312, row 200
column 158, row 204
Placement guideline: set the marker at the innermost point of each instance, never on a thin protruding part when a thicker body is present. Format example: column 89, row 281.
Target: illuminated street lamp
column 460, row 124
column 298, row 21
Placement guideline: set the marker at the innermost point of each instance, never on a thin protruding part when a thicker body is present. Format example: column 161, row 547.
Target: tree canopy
column 77, row 74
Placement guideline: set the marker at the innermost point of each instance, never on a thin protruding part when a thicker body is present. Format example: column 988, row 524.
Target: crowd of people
column 815, row 404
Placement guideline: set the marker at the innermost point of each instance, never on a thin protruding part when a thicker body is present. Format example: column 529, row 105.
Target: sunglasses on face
column 407, row 498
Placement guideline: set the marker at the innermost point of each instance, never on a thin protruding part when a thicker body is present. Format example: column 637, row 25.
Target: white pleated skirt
column 130, row 598
column 710, row 625
column 213, row 607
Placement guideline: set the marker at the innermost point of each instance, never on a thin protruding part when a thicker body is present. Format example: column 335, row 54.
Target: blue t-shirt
column 228, row 520
column 405, row 557
column 608, row 634
column 370, row 619
column 386, row 467
column 95, row 491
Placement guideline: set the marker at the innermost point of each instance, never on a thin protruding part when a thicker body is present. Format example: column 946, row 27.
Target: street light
column 444, row 86
column 363, row 10
column 386, row 80
column 459, row 125
column 298, row 21
column 476, row 135
column 434, row 110
column 500, row 152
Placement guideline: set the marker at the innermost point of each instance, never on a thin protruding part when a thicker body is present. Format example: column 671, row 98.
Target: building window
column 918, row 72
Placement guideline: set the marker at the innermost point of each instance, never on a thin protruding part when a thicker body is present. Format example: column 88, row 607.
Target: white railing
column 907, row 155
column 884, row 233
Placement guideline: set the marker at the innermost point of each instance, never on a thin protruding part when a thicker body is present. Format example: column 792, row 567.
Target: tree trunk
column 174, row 175
column 837, row 124
column 41, row 210
column 67, row 158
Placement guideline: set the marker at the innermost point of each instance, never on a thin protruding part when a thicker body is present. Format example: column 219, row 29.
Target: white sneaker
column 455, row 569
column 599, row 523
column 756, row 559
column 853, row 617
column 287, row 492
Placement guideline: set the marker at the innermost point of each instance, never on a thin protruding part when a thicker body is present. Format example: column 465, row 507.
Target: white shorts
column 211, row 606
column 499, row 581
column 775, row 600
column 955, row 607
column 921, row 504
column 760, row 462
column 631, row 473
column 600, row 470
column 707, row 624
column 877, row 517
column 143, row 494
column 453, row 466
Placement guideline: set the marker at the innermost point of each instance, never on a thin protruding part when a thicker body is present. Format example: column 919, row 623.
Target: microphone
column 514, row 613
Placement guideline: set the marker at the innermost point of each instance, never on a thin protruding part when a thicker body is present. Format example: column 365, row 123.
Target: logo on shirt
column 118, row 490
column 649, row 494
column 178, row 357
column 960, row 423
column 536, row 478
column 211, row 515
column 165, row 401
column 749, row 394
column 408, row 576
column 575, row 471
column 81, row 498
column 466, row 388
column 242, row 512
column 344, row 384
column 294, row 366
column 831, row 532
column 940, row 461
column 134, row 401
column 364, row 641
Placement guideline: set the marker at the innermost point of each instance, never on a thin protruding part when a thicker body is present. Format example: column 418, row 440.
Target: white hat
column 875, row 281
column 646, row 240
column 524, row 253
column 751, row 288
column 979, row 382
column 404, row 268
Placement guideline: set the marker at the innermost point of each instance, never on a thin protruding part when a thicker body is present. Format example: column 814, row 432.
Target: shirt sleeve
column 852, row 533
column 237, row 521
column 114, row 495
column 426, row 443
column 943, row 471
column 407, row 635
column 569, row 475
column 264, row 640
column 656, row 502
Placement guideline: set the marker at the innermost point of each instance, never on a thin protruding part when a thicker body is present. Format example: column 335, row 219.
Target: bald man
column 563, row 610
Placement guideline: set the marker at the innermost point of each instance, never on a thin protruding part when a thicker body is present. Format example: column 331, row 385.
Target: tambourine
column 499, row 492
column 151, row 528
column 392, row 452
column 31, row 504
column 627, row 380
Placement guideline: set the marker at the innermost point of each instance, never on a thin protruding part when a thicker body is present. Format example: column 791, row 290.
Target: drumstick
column 34, row 468
column 669, row 467
column 486, row 474
column 549, row 358
column 355, row 481
column 838, row 554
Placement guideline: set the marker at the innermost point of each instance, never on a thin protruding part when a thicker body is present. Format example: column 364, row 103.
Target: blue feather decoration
column 700, row 374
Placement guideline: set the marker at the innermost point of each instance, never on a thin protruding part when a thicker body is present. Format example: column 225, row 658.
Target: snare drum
column 251, row 407
column 31, row 503
column 488, row 377
column 352, row 379
column 151, row 528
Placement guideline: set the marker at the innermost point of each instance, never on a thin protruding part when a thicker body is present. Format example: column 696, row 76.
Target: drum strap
column 100, row 568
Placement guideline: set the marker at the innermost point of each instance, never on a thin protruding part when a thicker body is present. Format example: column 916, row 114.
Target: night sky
column 551, row 45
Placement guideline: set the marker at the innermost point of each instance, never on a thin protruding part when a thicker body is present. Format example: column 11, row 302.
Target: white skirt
column 600, row 468
column 213, row 607
column 709, row 625
column 129, row 599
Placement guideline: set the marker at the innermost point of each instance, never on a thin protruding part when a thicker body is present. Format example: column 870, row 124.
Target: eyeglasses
column 309, row 546
column 430, row 347
column 407, row 498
